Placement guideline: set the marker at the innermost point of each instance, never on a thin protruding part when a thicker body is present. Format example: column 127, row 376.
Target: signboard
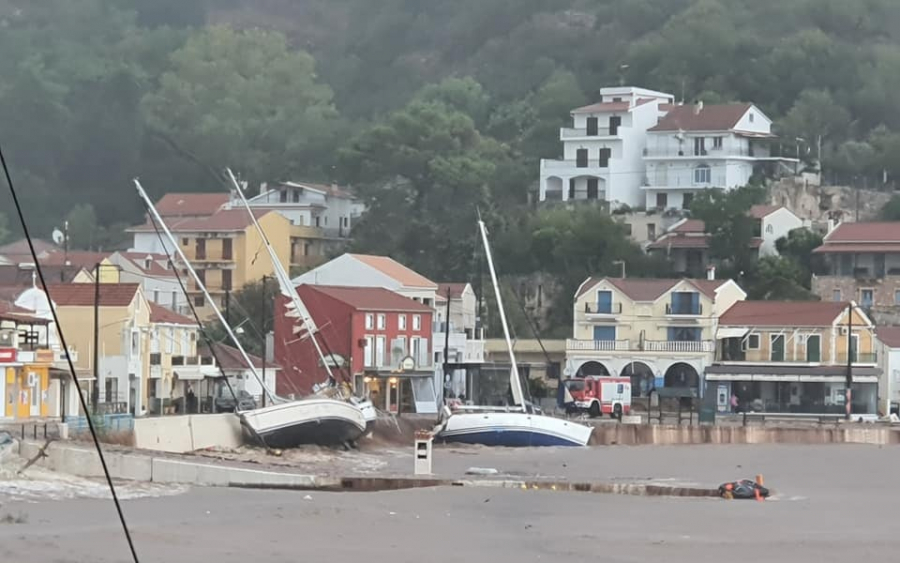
column 45, row 357
column 723, row 402
column 333, row 361
column 7, row 355
column 408, row 363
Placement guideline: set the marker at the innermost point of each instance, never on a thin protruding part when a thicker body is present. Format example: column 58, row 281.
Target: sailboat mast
column 515, row 382
column 202, row 288
column 284, row 279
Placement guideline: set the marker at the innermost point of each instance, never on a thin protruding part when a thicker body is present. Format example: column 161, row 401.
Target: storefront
column 26, row 388
column 401, row 391
column 797, row 390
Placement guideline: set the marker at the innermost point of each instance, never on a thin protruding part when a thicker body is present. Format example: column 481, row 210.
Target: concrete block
column 631, row 419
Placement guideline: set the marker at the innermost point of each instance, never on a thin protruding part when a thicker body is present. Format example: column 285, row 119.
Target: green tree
column 250, row 314
column 731, row 228
column 83, row 228
column 776, row 278
column 244, row 99
column 816, row 118
column 798, row 246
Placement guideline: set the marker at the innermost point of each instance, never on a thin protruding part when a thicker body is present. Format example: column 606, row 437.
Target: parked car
column 225, row 402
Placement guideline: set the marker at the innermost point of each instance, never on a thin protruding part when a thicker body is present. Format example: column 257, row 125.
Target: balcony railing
column 689, row 152
column 572, row 164
column 576, row 133
column 867, row 358
column 679, row 346
column 685, row 310
column 603, row 309
column 598, row 345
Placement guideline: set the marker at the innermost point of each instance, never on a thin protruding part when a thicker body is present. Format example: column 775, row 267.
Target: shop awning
column 189, row 373
column 731, row 332
column 792, row 378
column 400, row 374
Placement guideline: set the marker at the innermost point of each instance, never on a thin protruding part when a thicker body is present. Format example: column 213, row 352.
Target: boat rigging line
column 62, row 341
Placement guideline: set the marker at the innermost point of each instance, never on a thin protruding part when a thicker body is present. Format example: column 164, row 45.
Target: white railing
column 576, row 133
column 679, row 346
column 598, row 345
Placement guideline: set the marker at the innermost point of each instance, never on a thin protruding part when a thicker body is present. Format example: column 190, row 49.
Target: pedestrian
column 734, row 403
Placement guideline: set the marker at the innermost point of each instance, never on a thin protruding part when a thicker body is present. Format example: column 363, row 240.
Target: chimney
column 710, row 272
column 698, row 108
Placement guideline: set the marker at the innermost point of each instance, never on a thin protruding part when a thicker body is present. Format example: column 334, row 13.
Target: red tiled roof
column 82, row 294
column 159, row 314
column 78, row 258
column 371, row 298
column 396, row 270
column 14, row 275
column 603, row 107
column 783, row 313
column 690, row 226
column 456, row 290
column 889, row 335
column 21, row 247
column 226, row 220
column 190, row 204
column 649, row 289
column 865, row 232
column 229, row 358
column 863, row 247
column 762, row 211
column 721, row 117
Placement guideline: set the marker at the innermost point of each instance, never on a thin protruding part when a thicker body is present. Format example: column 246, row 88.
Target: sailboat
column 521, row 425
column 285, row 423
column 297, row 309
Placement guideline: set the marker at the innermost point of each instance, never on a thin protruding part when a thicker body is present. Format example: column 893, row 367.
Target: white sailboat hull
column 513, row 429
column 326, row 422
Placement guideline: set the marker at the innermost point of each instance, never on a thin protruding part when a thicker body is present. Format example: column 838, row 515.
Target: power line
column 62, row 340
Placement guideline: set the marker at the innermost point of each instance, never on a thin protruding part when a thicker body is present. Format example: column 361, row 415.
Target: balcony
column 864, row 358
column 708, row 153
column 598, row 345
column 603, row 309
column 684, row 310
column 572, row 168
column 701, row 346
column 574, row 133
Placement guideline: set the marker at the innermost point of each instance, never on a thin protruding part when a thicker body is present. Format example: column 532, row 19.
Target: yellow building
column 795, row 357
column 226, row 250
column 25, row 362
column 660, row 332
column 123, row 352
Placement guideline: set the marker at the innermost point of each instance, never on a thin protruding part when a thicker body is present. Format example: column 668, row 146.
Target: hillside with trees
column 432, row 110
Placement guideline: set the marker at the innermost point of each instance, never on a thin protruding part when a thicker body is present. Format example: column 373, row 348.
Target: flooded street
column 819, row 490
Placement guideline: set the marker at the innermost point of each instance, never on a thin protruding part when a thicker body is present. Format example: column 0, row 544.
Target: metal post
column 446, row 367
column 228, row 307
column 849, row 390
column 95, row 394
column 264, row 333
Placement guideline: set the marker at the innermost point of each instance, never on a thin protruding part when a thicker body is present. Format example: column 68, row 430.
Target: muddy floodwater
column 832, row 503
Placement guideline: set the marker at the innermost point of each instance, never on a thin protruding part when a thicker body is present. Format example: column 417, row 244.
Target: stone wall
column 884, row 312
column 817, row 204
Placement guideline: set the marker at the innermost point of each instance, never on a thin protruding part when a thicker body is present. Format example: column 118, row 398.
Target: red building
column 380, row 341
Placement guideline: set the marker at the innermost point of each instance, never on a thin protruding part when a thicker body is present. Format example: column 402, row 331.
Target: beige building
column 174, row 365
column 660, row 332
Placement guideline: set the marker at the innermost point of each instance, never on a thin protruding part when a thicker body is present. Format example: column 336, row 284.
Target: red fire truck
column 597, row 395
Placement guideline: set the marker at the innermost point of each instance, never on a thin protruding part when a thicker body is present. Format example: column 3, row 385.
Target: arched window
column 770, row 229
column 702, row 174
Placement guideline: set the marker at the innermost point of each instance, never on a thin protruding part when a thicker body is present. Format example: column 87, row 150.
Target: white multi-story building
column 637, row 148
column 459, row 332
column 603, row 151
column 156, row 277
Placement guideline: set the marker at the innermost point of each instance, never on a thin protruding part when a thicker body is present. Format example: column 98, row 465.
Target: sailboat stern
column 324, row 422
column 513, row 429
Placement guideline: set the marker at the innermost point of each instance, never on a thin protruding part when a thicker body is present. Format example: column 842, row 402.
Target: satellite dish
column 58, row 236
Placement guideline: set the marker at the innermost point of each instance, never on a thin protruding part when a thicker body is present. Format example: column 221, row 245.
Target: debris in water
column 481, row 471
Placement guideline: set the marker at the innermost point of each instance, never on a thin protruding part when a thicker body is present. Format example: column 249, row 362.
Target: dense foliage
column 433, row 109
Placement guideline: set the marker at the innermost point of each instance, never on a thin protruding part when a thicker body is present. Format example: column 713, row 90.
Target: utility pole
column 446, row 367
column 264, row 335
column 849, row 390
column 95, row 393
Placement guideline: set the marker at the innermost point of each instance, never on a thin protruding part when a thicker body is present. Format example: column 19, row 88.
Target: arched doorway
column 592, row 368
column 682, row 375
column 641, row 378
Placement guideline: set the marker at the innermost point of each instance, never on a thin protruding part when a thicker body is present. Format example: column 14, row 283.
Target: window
column 614, row 123
column 592, row 126
column 836, row 295
column 571, row 188
column 296, row 196
column 662, row 200
column 770, row 229
column 170, row 340
column 686, row 200
column 685, row 303
column 201, row 276
column 199, row 301
column 813, row 348
column 717, row 142
column 226, row 249
column 651, row 231
column 604, row 333
column 617, row 99
column 417, row 322
column 752, row 117
column 156, row 296
column 753, row 342
column 776, row 350
column 174, row 300
column 401, row 322
column 379, row 351
column 605, row 155
column 627, row 228
column 866, row 297
column 581, row 158
column 702, row 174
column 699, row 146
column 370, row 321
column 282, row 197
column 381, row 321
column 226, row 280
column 604, row 302
column 368, row 352
column 148, row 263
column 684, row 334
column 184, row 242
column 200, row 249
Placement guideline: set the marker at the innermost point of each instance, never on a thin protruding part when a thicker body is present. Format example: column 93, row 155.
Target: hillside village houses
column 639, row 149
